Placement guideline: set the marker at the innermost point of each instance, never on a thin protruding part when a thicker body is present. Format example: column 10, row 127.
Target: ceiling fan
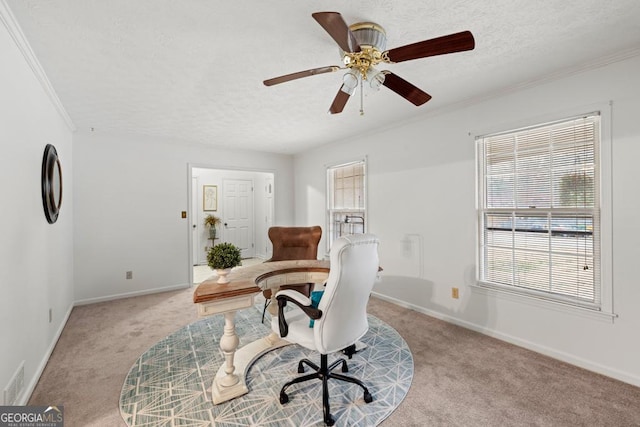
column 363, row 47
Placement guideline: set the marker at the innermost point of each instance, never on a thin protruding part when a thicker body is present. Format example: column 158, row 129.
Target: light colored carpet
column 461, row 378
column 170, row 383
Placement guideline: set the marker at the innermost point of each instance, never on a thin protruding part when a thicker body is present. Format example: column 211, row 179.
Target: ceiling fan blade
column 405, row 89
column 300, row 74
column 457, row 42
column 333, row 24
column 339, row 101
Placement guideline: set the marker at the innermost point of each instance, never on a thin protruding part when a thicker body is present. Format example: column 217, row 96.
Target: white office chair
column 340, row 319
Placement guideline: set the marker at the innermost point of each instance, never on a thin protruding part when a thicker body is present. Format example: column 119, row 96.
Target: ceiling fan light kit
column 362, row 47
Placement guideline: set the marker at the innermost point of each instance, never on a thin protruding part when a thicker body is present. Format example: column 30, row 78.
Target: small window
column 539, row 211
column 346, row 204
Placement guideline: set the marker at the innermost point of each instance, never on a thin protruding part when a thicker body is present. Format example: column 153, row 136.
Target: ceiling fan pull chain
column 361, row 99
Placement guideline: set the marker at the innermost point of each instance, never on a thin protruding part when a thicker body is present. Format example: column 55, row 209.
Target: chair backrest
column 354, row 268
column 294, row 242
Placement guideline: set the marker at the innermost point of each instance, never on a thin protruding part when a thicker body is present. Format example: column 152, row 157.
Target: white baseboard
column 23, row 399
column 131, row 294
column 547, row 351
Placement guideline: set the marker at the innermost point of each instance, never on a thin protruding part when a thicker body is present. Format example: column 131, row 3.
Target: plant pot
column 212, row 233
column 222, row 275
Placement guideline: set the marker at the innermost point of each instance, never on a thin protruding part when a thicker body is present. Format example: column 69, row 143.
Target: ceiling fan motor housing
column 372, row 40
column 370, row 34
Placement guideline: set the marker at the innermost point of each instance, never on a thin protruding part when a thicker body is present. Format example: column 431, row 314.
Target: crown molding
column 603, row 61
column 9, row 21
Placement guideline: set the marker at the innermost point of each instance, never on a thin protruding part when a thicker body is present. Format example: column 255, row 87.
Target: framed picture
column 210, row 198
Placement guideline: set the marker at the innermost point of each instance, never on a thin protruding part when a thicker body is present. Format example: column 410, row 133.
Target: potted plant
column 222, row 258
column 211, row 222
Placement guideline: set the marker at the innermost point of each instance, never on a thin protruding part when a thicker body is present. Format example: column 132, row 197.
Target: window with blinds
column 346, row 200
column 539, row 212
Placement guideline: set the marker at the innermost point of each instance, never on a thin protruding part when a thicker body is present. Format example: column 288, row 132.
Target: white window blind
column 539, row 212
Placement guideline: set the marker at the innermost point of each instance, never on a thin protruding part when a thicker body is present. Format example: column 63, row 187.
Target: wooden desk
column 245, row 283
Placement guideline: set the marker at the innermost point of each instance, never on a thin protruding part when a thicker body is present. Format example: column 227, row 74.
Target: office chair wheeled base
column 323, row 372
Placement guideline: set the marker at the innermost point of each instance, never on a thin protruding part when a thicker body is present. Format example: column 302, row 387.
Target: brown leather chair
column 291, row 243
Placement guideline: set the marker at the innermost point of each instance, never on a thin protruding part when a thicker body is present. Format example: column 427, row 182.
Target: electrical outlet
column 129, row 275
column 455, row 293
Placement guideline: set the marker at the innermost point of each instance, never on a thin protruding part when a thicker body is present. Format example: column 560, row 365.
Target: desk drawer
column 225, row 305
column 293, row 278
column 273, row 282
column 318, row 277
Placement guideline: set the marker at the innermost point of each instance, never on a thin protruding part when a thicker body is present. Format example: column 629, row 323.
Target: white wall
column 130, row 192
column 36, row 258
column 422, row 205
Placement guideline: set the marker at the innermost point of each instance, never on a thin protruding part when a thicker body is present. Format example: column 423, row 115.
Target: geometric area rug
column 170, row 384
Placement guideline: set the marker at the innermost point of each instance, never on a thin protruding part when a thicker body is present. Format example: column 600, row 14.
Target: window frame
column 330, row 195
column 605, row 309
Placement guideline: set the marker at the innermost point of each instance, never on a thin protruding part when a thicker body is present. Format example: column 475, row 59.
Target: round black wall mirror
column 51, row 183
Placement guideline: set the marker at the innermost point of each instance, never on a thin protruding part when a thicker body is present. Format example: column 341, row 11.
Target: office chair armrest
column 295, row 296
column 298, row 299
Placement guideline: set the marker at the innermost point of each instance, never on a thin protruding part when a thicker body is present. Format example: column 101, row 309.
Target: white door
column 238, row 214
column 195, row 229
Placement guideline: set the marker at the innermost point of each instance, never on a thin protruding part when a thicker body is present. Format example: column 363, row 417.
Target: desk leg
column 244, row 357
column 227, row 384
column 228, row 344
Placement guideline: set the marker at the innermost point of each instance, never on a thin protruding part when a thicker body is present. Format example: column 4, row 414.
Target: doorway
column 244, row 206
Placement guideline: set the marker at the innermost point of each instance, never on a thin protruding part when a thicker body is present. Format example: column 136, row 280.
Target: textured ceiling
column 192, row 70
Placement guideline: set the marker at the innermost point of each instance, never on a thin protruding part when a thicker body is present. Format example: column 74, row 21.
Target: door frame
column 190, row 213
column 193, row 221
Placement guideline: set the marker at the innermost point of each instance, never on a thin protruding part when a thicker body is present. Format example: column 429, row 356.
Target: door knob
column 194, row 226
column 225, row 224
